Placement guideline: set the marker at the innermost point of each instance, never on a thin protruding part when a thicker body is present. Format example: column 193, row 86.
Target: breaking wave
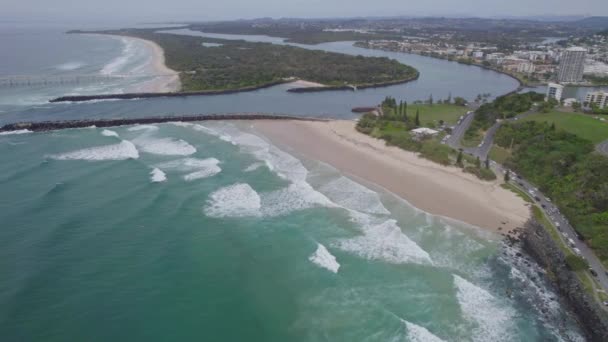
column 490, row 318
column 323, row 258
column 157, row 176
column 237, row 200
column 416, row 333
column 121, row 151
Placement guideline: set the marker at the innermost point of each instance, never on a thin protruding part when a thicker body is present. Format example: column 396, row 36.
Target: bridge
column 13, row 81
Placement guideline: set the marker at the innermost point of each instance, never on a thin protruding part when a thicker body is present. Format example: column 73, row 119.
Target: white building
column 569, row 101
column 571, row 65
column 525, row 67
column 600, row 98
column 478, row 54
column 424, row 132
column 554, row 91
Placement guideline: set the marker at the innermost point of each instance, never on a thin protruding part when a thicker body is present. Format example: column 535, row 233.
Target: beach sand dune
column 439, row 190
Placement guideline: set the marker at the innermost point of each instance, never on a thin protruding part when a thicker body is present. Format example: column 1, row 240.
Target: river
column 439, row 78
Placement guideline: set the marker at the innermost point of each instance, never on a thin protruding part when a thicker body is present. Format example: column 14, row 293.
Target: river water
column 209, row 232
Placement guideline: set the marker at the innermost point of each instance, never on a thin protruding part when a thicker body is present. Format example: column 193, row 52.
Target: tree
column 576, row 106
column 459, row 101
column 459, row 158
column 477, row 163
column 487, row 163
column 507, row 176
column 405, row 110
column 553, row 126
column 417, row 120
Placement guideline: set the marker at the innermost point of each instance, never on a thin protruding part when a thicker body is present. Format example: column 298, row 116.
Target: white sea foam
column 296, row 196
column 180, row 124
column 17, row 132
column 355, row 196
column 385, row 242
column 128, row 52
column 109, row 133
column 491, row 318
column 206, row 172
column 164, row 146
column 416, row 333
column 157, row 175
column 196, row 168
column 323, row 258
column 70, row 66
column 237, row 200
column 253, row 167
column 143, row 128
column 121, row 151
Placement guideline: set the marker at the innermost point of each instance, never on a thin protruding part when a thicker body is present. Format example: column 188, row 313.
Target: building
column 554, row 91
column 525, row 67
column 569, row 102
column 478, row 54
column 571, row 65
column 423, row 132
column 599, row 98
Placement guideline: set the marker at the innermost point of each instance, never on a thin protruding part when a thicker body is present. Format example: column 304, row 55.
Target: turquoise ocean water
column 181, row 232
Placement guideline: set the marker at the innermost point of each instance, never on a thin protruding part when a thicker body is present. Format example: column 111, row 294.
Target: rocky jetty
column 538, row 243
column 130, row 96
column 55, row 125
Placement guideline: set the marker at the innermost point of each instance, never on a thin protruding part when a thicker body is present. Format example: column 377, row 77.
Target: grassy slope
column 432, row 114
column 585, row 126
column 499, row 154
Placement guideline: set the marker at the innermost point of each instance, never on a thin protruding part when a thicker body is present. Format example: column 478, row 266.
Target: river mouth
column 438, row 78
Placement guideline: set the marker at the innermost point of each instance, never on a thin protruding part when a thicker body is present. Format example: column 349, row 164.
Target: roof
column 424, row 130
column 576, row 48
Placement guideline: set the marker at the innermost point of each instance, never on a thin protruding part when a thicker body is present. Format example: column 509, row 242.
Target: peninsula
column 206, row 64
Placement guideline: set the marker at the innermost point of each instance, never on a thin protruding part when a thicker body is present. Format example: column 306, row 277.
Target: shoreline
column 166, row 80
column 436, row 189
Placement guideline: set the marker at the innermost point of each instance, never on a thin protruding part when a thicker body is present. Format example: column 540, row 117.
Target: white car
column 577, row 251
column 571, row 242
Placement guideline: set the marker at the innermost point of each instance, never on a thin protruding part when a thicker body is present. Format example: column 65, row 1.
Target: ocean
column 207, row 231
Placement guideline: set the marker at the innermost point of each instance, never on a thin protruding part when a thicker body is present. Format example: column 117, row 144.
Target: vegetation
column 597, row 80
column 434, row 115
column 499, row 154
column 517, row 191
column 502, row 108
column 394, row 127
column 240, row 64
column 565, row 167
column 584, row 126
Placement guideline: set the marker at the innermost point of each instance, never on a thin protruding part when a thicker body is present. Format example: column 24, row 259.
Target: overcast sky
column 157, row 10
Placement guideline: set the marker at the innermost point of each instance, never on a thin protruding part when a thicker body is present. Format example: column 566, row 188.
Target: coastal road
column 602, row 147
column 568, row 234
column 459, row 130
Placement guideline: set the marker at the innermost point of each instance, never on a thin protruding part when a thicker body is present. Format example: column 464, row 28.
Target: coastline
column 439, row 190
column 166, row 80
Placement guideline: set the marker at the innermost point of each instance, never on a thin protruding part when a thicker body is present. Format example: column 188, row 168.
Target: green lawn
column 499, row 154
column 585, row 126
column 432, row 114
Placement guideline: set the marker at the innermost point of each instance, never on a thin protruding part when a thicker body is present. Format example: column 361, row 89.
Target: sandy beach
column 305, row 84
column 439, row 190
column 169, row 80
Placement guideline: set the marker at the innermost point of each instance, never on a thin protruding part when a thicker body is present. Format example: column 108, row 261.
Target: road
column 568, row 234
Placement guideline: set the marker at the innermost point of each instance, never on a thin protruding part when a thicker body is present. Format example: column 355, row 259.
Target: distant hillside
column 594, row 23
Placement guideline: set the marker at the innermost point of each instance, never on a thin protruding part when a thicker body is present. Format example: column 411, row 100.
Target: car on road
column 537, row 198
column 577, row 251
column 593, row 273
column 571, row 242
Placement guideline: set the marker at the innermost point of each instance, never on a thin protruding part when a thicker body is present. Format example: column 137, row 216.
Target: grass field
column 585, row 126
column 432, row 114
column 499, row 154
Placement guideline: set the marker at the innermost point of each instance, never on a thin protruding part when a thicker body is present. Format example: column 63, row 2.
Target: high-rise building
column 554, row 91
column 599, row 98
column 571, row 65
